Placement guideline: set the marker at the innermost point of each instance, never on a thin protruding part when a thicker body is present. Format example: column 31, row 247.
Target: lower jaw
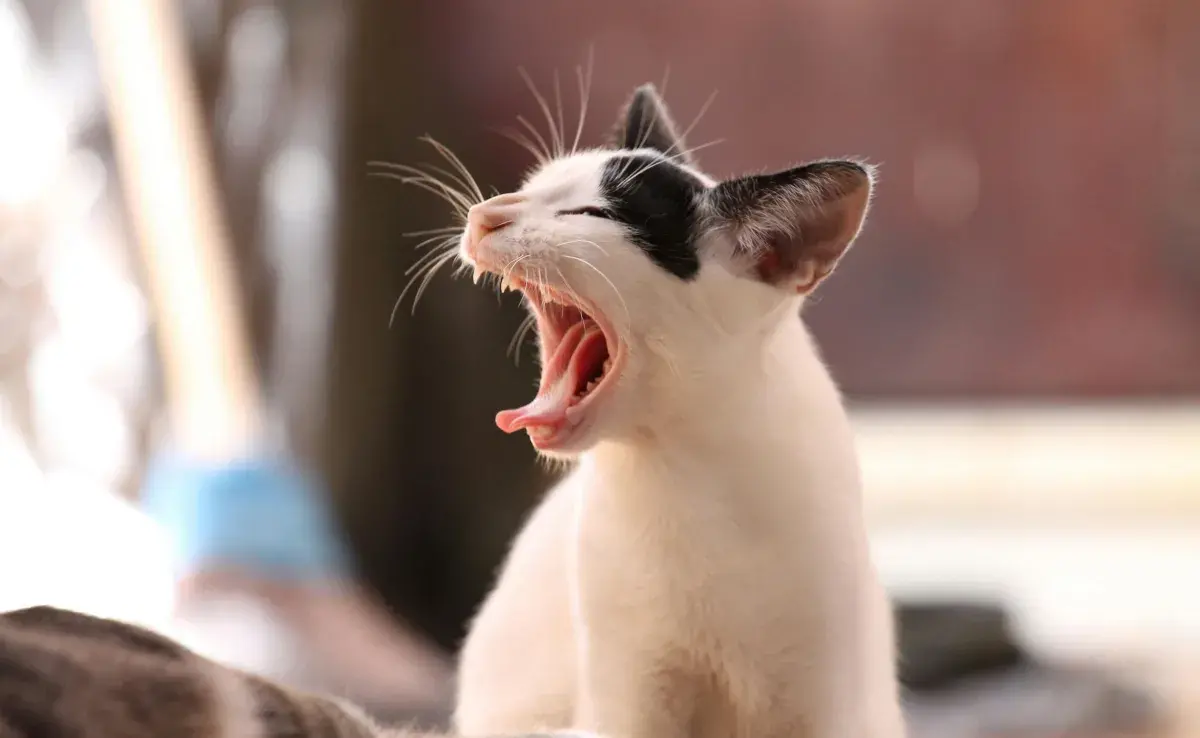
column 562, row 438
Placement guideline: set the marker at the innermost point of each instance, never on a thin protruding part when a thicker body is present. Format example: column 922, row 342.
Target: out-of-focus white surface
column 1077, row 594
column 67, row 542
column 1030, row 464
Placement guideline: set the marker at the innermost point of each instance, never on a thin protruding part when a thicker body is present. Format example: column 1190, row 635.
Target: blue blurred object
column 262, row 516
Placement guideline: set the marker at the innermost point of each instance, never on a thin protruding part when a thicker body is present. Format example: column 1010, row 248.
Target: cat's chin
column 568, row 444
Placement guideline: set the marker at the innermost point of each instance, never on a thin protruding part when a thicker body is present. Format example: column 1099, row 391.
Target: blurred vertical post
column 212, row 391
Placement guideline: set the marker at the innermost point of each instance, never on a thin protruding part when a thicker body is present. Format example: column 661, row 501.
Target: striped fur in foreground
column 68, row 675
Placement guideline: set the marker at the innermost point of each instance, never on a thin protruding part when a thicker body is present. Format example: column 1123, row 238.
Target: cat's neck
column 777, row 407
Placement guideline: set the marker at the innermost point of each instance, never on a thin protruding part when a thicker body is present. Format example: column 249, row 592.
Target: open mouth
column 580, row 355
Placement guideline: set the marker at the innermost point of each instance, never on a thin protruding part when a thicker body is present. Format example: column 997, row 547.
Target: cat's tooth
column 478, row 272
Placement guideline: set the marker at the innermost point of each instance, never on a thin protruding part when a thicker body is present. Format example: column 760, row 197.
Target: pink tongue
column 549, row 408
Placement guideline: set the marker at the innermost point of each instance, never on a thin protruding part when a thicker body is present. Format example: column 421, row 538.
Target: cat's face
column 644, row 274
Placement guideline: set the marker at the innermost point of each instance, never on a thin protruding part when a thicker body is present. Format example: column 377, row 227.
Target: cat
column 66, row 674
column 703, row 570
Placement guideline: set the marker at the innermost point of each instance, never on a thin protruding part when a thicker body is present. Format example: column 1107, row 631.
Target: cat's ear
column 645, row 123
column 793, row 226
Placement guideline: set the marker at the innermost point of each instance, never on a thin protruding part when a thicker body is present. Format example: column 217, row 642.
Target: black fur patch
column 657, row 200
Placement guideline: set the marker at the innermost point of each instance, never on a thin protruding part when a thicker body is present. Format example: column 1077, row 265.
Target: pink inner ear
column 770, row 266
column 782, row 264
column 801, row 274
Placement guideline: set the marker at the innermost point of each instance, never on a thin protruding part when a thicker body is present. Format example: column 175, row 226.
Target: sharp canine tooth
column 477, row 274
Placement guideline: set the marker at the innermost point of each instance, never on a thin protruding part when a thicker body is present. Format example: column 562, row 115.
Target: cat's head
column 645, row 274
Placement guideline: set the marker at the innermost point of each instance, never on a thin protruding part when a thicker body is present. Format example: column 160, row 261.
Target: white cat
column 704, row 569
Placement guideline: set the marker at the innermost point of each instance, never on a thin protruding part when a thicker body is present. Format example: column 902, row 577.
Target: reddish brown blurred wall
column 1021, row 244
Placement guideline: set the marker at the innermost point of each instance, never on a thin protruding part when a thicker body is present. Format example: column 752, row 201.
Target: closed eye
column 590, row 211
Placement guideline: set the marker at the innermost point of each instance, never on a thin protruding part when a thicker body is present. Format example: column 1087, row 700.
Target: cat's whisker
column 429, row 275
column 428, row 256
column 424, row 274
column 547, row 150
column 599, row 248
column 703, row 109
column 524, row 142
column 518, row 339
column 431, row 231
column 466, row 179
column 568, row 288
column 506, row 272
column 680, row 156
column 430, row 184
column 557, row 150
column 435, row 176
column 467, row 196
column 541, row 284
column 448, row 238
column 585, row 91
column 562, row 123
column 593, row 267
column 676, row 157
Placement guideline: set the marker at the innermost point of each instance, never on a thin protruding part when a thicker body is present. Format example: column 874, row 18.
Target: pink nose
column 492, row 215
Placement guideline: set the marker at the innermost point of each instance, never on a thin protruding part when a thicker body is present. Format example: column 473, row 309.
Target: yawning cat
column 703, row 572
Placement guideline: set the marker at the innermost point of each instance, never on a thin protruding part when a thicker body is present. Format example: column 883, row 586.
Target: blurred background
column 1017, row 330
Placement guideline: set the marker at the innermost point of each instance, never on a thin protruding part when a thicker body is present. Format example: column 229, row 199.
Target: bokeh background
column 1017, row 330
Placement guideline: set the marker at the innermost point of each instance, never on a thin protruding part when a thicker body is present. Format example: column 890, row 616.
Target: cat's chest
column 653, row 533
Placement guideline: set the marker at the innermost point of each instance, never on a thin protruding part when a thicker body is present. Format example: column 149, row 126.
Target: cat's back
column 67, row 674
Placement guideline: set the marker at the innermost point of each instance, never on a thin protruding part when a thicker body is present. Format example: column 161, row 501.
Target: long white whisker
column 448, row 239
column 570, row 288
column 506, row 272
column 450, row 255
column 427, row 182
column 427, row 257
column 451, row 187
column 430, row 188
column 428, row 271
column 545, row 277
column 562, row 124
column 599, row 248
column 431, row 231
column 524, row 142
column 585, row 91
column 547, row 149
column 628, row 179
column 603, row 276
column 557, row 150
column 518, row 339
column 467, row 179
column 703, row 109
column 468, row 196
column 679, row 140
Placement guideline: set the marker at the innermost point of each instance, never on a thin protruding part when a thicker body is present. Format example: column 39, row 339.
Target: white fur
column 704, row 570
